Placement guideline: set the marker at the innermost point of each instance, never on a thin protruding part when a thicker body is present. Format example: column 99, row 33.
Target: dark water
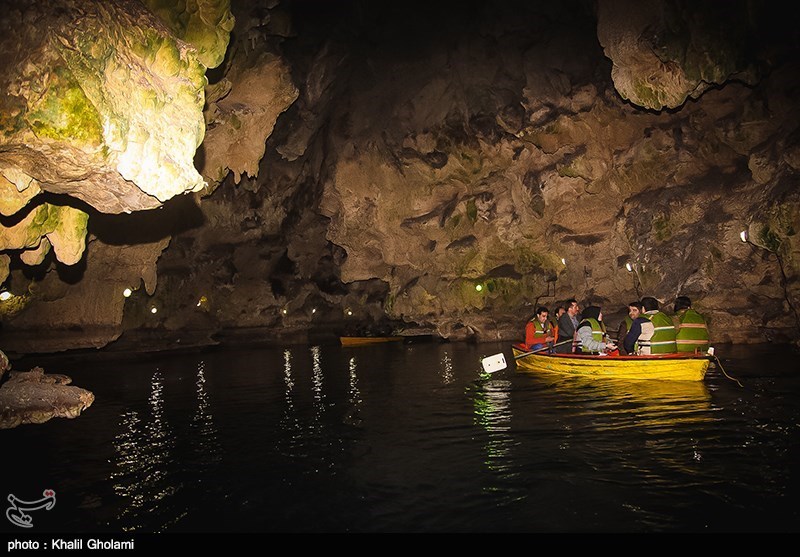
column 411, row 438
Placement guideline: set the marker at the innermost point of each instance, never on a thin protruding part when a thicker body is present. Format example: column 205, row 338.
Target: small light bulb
column 349, row 312
column 629, row 267
column 5, row 295
column 127, row 292
column 313, row 310
column 743, row 235
column 153, row 309
column 283, row 311
column 563, row 261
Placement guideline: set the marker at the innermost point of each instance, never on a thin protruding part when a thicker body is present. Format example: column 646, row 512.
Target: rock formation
column 33, row 397
column 433, row 167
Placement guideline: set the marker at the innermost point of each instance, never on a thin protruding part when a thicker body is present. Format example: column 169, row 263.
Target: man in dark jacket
column 567, row 325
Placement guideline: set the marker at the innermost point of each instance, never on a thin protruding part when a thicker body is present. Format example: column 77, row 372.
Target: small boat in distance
column 361, row 341
column 674, row 367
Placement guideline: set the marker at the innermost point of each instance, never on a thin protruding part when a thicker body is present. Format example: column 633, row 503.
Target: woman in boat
column 592, row 338
column 539, row 331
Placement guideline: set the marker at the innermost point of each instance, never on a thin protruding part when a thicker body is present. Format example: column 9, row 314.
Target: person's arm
column 585, row 334
column 529, row 332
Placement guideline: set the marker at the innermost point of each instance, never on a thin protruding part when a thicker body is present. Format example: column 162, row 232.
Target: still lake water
column 411, row 438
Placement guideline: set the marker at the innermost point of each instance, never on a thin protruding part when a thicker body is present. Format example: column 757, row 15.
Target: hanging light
column 563, row 261
column 5, row 295
column 478, row 287
column 284, row 311
column 154, row 309
column 743, row 235
column 349, row 312
column 313, row 310
column 629, row 266
column 127, row 292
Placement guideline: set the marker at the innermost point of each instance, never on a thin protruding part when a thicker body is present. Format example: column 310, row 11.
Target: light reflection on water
column 416, row 438
column 144, row 461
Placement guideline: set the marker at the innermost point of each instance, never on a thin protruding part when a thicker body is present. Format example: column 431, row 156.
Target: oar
column 498, row 361
column 542, row 349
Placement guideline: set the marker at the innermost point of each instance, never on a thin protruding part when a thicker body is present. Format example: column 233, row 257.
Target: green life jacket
column 598, row 332
column 663, row 339
column 692, row 332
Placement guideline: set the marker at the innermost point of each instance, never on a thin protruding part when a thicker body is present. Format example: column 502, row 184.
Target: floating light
column 127, row 292
column 5, row 295
column 629, row 266
column 743, row 235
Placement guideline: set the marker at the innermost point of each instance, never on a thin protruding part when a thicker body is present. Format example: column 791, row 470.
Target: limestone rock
column 63, row 227
column 665, row 52
column 106, row 106
column 240, row 122
column 35, row 397
column 205, row 24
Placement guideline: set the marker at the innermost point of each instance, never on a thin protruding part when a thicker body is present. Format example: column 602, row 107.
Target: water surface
column 411, row 438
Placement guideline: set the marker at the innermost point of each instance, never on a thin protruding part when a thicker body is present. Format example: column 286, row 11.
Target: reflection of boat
column 360, row 341
column 685, row 367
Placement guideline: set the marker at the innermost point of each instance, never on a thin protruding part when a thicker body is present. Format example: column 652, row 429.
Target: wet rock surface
column 34, row 397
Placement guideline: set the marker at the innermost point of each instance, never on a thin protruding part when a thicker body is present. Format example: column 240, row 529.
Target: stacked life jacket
column 536, row 333
column 692, row 332
column 662, row 340
column 598, row 333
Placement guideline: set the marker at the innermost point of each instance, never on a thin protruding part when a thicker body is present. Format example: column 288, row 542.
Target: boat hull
column 361, row 341
column 672, row 367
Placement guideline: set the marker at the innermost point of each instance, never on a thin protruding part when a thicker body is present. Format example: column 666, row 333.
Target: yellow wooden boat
column 361, row 341
column 676, row 367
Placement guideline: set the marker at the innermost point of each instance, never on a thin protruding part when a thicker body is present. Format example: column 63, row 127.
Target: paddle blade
column 494, row 363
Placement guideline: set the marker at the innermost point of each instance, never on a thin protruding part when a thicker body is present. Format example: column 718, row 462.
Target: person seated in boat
column 633, row 312
column 637, row 338
column 539, row 331
column 692, row 333
column 592, row 337
column 662, row 340
column 567, row 326
column 557, row 312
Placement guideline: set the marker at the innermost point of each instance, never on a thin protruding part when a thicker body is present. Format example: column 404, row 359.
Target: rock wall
column 446, row 167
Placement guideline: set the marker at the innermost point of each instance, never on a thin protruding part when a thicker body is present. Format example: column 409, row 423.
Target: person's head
column 592, row 312
column 682, row 302
column 541, row 314
column 559, row 311
column 649, row 303
column 635, row 309
column 572, row 307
